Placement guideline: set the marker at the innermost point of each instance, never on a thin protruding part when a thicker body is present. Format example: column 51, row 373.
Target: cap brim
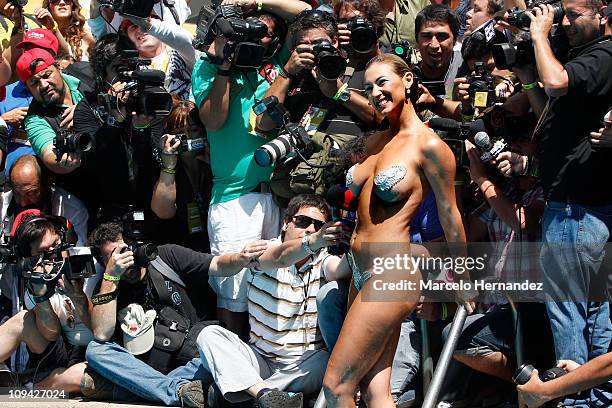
column 140, row 344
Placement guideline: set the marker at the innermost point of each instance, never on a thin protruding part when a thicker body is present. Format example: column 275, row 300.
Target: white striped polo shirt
column 283, row 309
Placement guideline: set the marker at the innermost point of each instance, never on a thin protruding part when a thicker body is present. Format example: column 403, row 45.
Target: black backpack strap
column 157, row 278
column 165, row 269
column 160, row 287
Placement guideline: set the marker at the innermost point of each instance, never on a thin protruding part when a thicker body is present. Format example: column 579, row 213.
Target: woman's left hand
column 45, row 18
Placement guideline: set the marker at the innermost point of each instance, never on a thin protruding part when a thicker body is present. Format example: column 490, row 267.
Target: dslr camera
column 330, row 64
column 293, row 140
column 482, row 86
column 243, row 48
column 523, row 374
column 519, row 19
column 137, row 8
column 148, row 95
column 188, row 145
column 403, row 50
column 134, row 233
column 70, row 141
column 363, row 36
column 18, row 3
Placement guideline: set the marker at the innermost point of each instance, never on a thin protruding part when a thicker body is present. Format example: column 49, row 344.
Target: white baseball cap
column 137, row 326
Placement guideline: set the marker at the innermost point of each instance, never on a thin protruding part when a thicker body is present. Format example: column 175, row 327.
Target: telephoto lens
column 523, row 374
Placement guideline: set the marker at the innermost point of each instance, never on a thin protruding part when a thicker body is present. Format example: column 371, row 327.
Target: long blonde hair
column 74, row 32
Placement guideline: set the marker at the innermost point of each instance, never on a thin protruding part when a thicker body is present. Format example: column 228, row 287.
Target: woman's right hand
column 45, row 18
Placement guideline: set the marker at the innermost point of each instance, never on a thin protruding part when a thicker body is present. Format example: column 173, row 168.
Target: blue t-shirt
column 17, row 96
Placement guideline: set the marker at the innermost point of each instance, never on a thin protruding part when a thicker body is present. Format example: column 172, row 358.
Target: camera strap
column 163, row 289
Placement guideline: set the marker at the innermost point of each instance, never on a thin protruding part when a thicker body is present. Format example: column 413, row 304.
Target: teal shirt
column 40, row 133
column 235, row 172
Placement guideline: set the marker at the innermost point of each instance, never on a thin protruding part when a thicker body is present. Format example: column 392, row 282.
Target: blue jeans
column 117, row 365
column 574, row 275
column 332, row 301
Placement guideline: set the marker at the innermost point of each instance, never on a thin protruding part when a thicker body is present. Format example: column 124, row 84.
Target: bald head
column 25, row 177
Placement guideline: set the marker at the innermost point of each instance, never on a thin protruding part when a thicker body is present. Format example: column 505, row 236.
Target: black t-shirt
column 121, row 160
column 190, row 265
column 305, row 92
column 571, row 170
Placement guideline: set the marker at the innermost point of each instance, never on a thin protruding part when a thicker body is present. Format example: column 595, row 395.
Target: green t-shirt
column 235, row 172
column 40, row 133
column 402, row 26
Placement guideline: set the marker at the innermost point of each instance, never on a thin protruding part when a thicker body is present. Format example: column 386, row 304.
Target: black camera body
column 18, row 3
column 363, row 35
column 243, row 48
column 523, row 374
column 188, row 145
column 508, row 56
column 403, row 50
column 138, row 8
column 330, row 64
column 482, row 86
column 293, row 140
column 519, row 19
column 134, row 232
column 144, row 253
column 70, row 141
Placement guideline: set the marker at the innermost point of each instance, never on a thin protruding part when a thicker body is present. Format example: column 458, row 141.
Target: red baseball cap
column 39, row 38
column 19, row 218
column 25, row 61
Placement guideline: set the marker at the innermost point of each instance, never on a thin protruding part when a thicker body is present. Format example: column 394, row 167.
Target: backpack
column 299, row 177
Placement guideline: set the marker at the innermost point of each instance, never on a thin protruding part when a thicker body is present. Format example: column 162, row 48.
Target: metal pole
column 447, row 352
column 428, row 367
column 320, row 402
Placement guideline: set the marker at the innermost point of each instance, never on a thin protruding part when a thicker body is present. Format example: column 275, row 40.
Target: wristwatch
column 344, row 96
column 306, row 245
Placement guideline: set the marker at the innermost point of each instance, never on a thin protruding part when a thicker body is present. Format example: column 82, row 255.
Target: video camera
column 330, row 64
column 70, row 141
column 482, row 86
column 243, row 48
column 137, row 8
column 188, row 145
column 134, row 233
column 147, row 93
column 293, row 140
column 520, row 53
column 519, row 19
column 455, row 135
column 363, row 36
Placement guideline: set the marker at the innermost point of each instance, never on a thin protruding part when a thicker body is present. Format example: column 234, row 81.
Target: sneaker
column 192, row 394
column 96, row 387
column 280, row 399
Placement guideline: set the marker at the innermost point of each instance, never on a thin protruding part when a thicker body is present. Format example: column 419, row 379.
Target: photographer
column 56, row 327
column 240, row 199
column 158, row 361
column 312, row 97
column 120, row 136
column 579, row 97
column 182, row 193
column 286, row 354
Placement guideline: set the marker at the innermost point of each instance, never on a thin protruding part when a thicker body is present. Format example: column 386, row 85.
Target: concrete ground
column 69, row 403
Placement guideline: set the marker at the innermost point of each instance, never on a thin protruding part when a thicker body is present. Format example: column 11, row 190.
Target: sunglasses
column 59, row 1
column 303, row 221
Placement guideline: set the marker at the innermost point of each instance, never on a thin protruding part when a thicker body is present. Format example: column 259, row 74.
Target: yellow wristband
column 259, row 5
column 340, row 91
column 444, row 311
column 111, row 278
column 530, row 86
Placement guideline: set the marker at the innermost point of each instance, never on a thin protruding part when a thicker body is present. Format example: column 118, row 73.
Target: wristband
column 111, row 278
column 444, row 313
column 340, row 91
column 259, row 5
column 306, row 245
column 283, row 72
column 141, row 127
column 101, row 299
column 223, row 72
column 54, row 28
column 168, row 170
column 44, row 298
column 530, row 86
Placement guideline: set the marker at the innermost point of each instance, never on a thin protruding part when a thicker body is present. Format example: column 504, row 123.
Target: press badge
column 313, row 118
column 480, row 99
column 194, row 221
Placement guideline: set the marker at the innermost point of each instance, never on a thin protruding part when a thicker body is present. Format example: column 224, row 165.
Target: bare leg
column 20, row 328
column 67, row 379
column 495, row 364
column 364, row 351
column 237, row 322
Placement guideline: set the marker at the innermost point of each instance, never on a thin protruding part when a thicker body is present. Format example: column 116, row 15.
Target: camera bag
column 176, row 331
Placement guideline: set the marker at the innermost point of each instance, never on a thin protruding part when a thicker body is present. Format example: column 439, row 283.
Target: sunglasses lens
column 302, row 221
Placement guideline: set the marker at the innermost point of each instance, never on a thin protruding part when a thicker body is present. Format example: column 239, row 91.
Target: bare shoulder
column 432, row 146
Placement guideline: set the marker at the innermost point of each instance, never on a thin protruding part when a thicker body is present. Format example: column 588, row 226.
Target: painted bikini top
column 384, row 182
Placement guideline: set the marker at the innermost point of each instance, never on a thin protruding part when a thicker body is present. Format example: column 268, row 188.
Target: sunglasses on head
column 304, row 221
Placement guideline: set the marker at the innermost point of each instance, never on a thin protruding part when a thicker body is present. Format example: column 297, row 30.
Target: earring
column 407, row 94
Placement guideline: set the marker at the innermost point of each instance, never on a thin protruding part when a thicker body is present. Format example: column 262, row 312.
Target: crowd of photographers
column 175, row 215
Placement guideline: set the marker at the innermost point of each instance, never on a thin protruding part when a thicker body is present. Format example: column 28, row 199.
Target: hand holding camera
column 169, row 147
column 301, row 59
column 331, row 233
column 120, row 261
column 344, row 36
column 73, row 288
column 542, row 19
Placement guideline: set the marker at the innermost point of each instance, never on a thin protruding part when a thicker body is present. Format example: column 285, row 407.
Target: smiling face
column 385, row 89
column 435, row 41
column 60, row 9
column 580, row 22
column 143, row 42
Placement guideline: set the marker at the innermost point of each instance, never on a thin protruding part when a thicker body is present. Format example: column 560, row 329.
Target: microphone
column 341, row 197
column 450, row 125
column 482, row 140
column 146, row 75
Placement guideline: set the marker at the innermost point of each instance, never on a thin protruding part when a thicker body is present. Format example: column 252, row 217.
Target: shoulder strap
column 164, row 296
column 163, row 268
column 160, row 287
